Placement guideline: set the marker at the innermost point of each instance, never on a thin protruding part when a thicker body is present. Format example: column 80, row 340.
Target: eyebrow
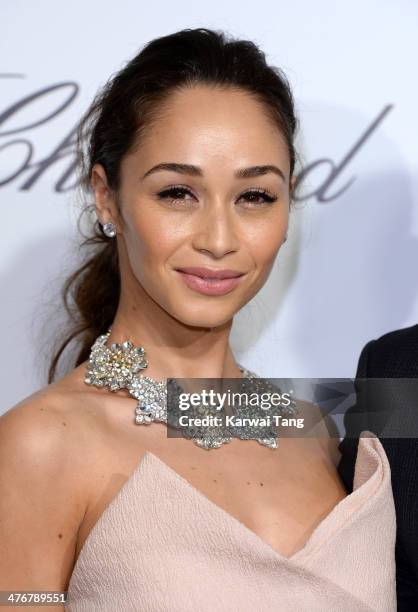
column 192, row 170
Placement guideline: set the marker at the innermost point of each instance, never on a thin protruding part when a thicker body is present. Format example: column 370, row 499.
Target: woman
column 189, row 153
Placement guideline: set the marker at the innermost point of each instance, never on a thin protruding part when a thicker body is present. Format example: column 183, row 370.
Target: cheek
column 149, row 243
column 266, row 239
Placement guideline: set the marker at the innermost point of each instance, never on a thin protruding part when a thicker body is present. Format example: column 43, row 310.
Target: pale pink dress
column 163, row 546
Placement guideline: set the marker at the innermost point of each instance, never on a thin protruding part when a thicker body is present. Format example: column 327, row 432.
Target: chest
column 280, row 496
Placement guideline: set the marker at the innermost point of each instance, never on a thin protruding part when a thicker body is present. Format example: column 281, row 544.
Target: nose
column 216, row 230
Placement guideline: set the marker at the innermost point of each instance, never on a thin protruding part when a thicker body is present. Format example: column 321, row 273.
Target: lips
column 209, row 281
column 210, row 272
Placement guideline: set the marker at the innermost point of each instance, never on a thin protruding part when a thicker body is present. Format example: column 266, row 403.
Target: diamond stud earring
column 109, row 229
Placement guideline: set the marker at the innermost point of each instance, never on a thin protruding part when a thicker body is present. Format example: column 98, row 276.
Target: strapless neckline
column 366, row 481
column 162, row 545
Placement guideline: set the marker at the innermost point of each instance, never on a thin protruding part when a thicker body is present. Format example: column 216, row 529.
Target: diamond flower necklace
column 119, row 367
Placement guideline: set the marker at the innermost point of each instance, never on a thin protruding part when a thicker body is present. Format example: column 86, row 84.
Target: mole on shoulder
column 64, row 423
column 60, row 535
column 261, row 484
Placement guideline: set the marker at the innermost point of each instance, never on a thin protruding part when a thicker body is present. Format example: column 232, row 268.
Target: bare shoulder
column 60, row 427
column 43, row 490
column 319, row 429
column 46, row 423
column 37, row 448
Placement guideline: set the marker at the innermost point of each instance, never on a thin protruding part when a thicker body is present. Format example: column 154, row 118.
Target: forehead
column 205, row 123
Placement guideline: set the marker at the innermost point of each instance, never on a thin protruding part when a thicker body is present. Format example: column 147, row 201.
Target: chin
column 206, row 320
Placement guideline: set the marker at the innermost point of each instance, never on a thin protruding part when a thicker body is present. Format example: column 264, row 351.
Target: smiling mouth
column 204, row 272
column 210, row 285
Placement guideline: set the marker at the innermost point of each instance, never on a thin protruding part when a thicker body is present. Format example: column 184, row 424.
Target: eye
column 258, row 197
column 254, row 197
column 175, row 194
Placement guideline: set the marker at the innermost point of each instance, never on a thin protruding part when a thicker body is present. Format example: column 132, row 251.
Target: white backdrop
column 348, row 272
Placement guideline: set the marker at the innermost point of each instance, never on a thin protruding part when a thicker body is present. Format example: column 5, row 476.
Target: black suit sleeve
column 365, row 415
column 406, row 581
column 355, row 421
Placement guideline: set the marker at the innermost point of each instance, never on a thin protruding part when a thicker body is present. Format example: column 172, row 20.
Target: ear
column 105, row 205
column 292, row 184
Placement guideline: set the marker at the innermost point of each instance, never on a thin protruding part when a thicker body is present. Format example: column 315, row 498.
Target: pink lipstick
column 210, row 281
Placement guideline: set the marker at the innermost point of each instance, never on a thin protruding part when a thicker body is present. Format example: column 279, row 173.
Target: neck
column 172, row 348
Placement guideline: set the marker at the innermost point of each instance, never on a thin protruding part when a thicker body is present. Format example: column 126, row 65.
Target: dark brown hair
column 113, row 125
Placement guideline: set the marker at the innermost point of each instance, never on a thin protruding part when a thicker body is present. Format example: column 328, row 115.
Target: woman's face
column 185, row 201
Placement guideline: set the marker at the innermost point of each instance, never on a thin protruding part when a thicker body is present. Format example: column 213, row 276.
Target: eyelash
column 269, row 198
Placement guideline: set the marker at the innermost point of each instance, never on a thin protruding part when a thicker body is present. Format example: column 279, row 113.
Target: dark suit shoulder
column 399, row 337
column 395, row 354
